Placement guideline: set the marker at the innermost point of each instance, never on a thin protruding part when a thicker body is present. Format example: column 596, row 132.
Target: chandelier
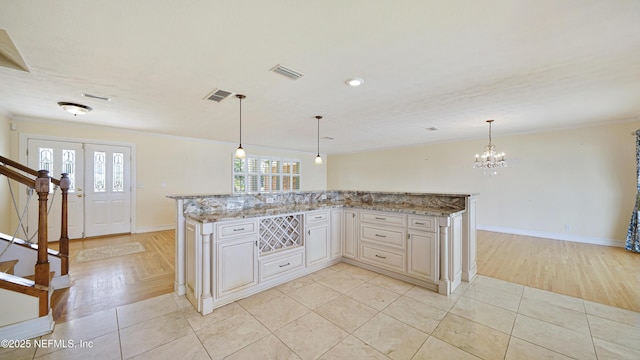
column 490, row 159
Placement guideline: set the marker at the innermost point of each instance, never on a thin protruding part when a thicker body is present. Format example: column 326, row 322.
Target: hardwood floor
column 602, row 274
column 104, row 284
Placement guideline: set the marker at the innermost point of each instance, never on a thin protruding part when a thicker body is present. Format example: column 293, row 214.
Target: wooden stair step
column 8, row 266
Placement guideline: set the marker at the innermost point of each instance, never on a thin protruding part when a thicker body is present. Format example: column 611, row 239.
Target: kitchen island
column 232, row 246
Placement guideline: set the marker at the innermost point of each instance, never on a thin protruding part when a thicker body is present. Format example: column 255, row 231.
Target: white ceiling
column 530, row 65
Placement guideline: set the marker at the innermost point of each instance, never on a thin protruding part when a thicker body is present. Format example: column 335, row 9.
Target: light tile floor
column 345, row 312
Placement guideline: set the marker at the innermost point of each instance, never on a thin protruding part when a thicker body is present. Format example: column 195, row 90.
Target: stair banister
column 25, row 169
column 65, row 182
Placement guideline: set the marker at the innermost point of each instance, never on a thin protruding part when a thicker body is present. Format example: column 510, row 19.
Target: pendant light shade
column 240, row 154
column 318, row 160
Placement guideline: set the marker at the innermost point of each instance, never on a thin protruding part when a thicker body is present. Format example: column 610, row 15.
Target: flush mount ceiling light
column 354, row 82
column 318, row 160
column 490, row 159
column 240, row 154
column 73, row 108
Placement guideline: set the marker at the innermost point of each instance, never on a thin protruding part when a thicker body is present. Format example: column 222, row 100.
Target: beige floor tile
column 230, row 335
column 433, row 298
column 503, row 286
column 436, row 349
column 472, row 337
column 17, row 353
column 144, row 336
column 341, row 266
column 553, row 298
column 287, row 287
column 522, row 350
column 267, row 348
column 391, row 337
column 86, row 328
column 360, row 273
column 412, row 312
column 492, row 316
column 341, row 282
column 144, row 310
column 352, row 348
column 390, row 283
column 373, row 295
column 314, row 295
column 106, row 347
column 491, row 293
column 320, row 274
column 198, row 321
column 553, row 337
column 624, row 316
column 614, row 332
column 310, row 336
column 554, row 314
column 259, row 298
column 278, row 312
column 610, row 351
column 346, row 312
column 187, row 347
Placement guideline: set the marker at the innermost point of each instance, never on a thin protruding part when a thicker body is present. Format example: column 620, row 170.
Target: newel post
column 65, row 182
column 42, row 265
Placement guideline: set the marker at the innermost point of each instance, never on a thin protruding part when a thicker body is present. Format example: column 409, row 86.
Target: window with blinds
column 261, row 174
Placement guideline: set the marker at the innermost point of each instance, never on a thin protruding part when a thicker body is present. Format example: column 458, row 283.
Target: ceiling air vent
column 291, row 74
column 218, row 95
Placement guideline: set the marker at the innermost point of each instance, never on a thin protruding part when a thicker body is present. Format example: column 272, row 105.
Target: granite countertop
column 235, row 214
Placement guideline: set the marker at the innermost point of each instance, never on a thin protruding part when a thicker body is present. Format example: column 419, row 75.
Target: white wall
column 167, row 165
column 5, row 196
column 575, row 184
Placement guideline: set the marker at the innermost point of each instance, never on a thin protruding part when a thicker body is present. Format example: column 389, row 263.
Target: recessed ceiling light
column 73, row 108
column 354, row 82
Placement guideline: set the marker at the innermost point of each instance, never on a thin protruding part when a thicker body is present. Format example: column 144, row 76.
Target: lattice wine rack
column 279, row 233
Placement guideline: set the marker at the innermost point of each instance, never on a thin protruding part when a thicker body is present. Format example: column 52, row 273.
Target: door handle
column 79, row 195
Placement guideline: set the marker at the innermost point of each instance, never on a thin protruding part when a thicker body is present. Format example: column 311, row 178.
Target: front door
column 99, row 201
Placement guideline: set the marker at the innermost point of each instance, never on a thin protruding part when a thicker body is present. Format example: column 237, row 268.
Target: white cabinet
column 337, row 230
column 382, row 240
column 422, row 259
column 317, row 244
column 236, row 257
column 350, row 234
column 192, row 270
column 237, row 265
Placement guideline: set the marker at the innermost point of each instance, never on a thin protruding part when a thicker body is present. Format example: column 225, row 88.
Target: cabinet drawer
column 235, row 228
column 277, row 265
column 424, row 223
column 314, row 217
column 387, row 259
column 383, row 218
column 389, row 237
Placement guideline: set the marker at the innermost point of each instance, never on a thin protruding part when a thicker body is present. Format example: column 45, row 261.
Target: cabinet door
column 317, row 244
column 350, row 240
column 237, row 267
column 336, row 233
column 423, row 256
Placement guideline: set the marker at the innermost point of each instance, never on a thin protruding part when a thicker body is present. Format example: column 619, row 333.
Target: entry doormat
column 105, row 252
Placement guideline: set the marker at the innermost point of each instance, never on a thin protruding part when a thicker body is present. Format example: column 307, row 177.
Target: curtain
column 633, row 234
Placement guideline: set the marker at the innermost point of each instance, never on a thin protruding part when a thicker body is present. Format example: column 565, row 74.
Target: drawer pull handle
column 287, row 264
column 419, row 223
column 380, row 218
column 238, row 229
column 381, row 257
column 319, row 217
column 382, row 236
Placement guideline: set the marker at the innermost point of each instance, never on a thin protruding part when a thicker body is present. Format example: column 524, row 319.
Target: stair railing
column 41, row 185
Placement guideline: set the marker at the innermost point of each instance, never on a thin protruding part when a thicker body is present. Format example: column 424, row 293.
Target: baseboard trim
column 28, row 329
column 146, row 229
column 554, row 236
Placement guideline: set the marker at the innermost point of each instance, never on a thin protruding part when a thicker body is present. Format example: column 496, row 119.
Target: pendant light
column 240, row 154
column 318, row 158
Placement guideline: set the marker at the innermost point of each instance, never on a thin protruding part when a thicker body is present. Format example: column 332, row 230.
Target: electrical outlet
column 269, row 199
column 323, row 197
